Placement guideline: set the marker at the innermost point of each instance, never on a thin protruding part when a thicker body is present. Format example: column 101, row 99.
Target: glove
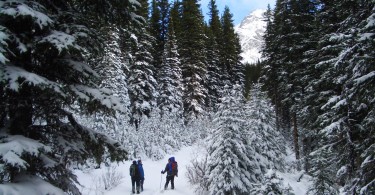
column 162, row 172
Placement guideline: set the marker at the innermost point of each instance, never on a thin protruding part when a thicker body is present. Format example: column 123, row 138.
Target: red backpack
column 174, row 168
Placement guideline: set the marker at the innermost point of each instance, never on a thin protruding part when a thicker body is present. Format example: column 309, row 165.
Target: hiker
column 135, row 176
column 172, row 170
column 142, row 174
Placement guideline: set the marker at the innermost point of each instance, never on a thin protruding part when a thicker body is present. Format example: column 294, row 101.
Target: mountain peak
column 251, row 31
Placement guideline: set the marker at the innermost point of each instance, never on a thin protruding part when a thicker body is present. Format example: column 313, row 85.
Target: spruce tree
column 214, row 82
column 44, row 75
column 156, row 29
column 214, row 22
column 215, row 71
column 170, row 84
column 231, row 49
column 192, row 52
column 142, row 84
column 176, row 14
column 230, row 166
column 268, row 143
column 335, row 80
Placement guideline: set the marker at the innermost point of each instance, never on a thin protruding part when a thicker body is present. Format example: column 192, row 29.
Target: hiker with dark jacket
column 135, row 176
column 142, row 174
column 172, row 170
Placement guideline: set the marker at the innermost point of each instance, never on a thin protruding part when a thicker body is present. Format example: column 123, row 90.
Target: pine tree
column 229, row 165
column 113, row 70
column 141, row 83
column 323, row 171
column 268, row 143
column 334, row 105
column 193, row 59
column 214, row 83
column 164, row 7
column 270, row 68
column 176, row 14
column 170, row 99
column 231, row 49
column 215, row 70
column 156, row 31
column 44, row 75
column 214, row 22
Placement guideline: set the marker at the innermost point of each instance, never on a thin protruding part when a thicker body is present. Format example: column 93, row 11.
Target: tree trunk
column 295, row 136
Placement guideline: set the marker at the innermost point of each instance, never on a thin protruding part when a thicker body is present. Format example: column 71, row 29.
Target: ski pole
column 161, row 179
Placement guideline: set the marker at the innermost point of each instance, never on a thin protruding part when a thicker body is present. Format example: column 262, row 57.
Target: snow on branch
column 82, row 67
column 3, row 44
column 14, row 146
column 61, row 41
column 103, row 95
column 12, row 74
column 365, row 78
column 30, row 185
column 16, row 9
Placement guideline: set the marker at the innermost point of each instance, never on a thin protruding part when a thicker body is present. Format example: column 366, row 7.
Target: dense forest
column 102, row 81
column 73, row 70
column 319, row 72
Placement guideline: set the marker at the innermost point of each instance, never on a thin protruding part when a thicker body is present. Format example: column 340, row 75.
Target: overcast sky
column 239, row 8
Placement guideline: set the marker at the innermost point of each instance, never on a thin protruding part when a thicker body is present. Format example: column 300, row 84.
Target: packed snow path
column 154, row 180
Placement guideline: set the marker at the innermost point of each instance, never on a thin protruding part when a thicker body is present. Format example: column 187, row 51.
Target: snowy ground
column 154, row 181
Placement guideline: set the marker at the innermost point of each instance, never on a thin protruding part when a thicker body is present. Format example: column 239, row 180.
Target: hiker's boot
column 138, row 192
column 165, row 187
column 133, row 190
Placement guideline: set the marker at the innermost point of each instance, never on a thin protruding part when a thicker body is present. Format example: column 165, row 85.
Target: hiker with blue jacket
column 135, row 176
column 142, row 174
column 172, row 170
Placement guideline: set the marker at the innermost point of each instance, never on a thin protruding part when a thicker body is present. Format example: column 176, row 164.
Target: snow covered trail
column 152, row 185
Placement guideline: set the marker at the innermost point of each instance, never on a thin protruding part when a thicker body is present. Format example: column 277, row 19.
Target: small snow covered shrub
column 111, row 177
column 196, row 175
column 272, row 185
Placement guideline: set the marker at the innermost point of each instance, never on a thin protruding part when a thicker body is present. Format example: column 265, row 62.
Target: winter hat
column 139, row 161
column 134, row 162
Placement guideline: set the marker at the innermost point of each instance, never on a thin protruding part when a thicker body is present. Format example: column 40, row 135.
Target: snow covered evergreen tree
column 268, row 143
column 230, row 168
column 214, row 81
column 142, row 84
column 44, row 72
column 215, row 71
column 141, row 81
column 170, row 84
column 336, row 108
column 231, row 50
column 272, row 185
column 193, row 59
column 113, row 70
column 323, row 171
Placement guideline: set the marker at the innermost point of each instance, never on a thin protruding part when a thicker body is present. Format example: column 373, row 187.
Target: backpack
column 133, row 170
column 174, row 168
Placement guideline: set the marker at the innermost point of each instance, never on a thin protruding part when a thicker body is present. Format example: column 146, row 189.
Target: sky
column 239, row 8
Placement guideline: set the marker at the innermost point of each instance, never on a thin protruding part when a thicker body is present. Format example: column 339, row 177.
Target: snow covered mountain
column 251, row 31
